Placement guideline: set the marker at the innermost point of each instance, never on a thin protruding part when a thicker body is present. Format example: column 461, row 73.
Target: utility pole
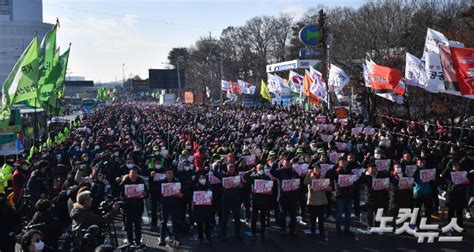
column 323, row 42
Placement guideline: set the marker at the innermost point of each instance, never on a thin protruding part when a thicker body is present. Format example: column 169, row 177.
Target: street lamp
column 221, row 59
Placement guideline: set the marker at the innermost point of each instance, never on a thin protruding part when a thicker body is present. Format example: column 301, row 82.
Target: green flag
column 21, row 83
column 52, row 95
column 48, row 53
column 264, row 92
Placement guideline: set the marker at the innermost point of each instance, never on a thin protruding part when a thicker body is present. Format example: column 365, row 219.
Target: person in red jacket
column 199, row 159
column 19, row 178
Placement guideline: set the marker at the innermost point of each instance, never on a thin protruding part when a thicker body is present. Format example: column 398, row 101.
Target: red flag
column 235, row 88
column 384, row 78
column 341, row 113
column 463, row 59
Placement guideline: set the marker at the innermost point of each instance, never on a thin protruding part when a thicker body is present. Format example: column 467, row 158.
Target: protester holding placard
column 170, row 205
column 401, row 195
column 317, row 201
column 422, row 191
column 261, row 197
column 456, row 190
column 344, row 194
column 202, row 211
column 156, row 175
column 186, row 177
column 134, row 191
column 287, row 198
column 230, row 199
column 352, row 164
column 376, row 195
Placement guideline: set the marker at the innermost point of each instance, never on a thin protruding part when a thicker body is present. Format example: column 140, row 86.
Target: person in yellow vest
column 3, row 182
column 7, row 172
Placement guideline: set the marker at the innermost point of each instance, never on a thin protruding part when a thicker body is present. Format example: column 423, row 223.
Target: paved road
column 304, row 242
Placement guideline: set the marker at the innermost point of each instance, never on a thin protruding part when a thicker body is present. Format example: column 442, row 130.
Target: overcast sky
column 140, row 33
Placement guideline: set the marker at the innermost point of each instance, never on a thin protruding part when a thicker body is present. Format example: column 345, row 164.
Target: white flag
column 415, row 73
column 295, row 81
column 277, row 85
column 338, row 79
column 433, row 39
column 225, row 85
column 434, row 72
column 318, row 87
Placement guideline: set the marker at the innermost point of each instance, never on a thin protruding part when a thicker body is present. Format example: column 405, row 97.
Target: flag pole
column 464, row 118
column 35, row 126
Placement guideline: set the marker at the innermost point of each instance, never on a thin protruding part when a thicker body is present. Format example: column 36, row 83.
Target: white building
column 19, row 21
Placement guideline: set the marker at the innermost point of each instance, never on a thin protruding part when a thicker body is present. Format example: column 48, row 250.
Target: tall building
column 19, row 21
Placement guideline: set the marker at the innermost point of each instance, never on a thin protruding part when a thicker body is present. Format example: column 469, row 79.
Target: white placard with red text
column 427, row 175
column 263, row 186
column 319, row 185
column 301, row 169
column 410, row 170
column 380, row 184
column 202, row 198
column 170, row 189
column 213, row 179
column 382, row 164
column 136, row 191
column 231, row 182
column 159, row 176
column 345, row 180
column 288, row 185
column 325, row 168
column 459, row 178
column 405, row 183
column 334, row 156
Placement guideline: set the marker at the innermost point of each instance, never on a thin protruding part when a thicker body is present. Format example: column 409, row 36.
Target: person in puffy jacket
column 317, row 201
column 455, row 193
column 422, row 192
column 203, row 213
column 399, row 197
column 376, row 198
column 261, row 202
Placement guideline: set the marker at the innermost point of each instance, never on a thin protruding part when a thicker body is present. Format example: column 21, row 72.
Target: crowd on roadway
column 127, row 153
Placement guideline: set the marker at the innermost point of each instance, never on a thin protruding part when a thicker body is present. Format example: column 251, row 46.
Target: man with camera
column 82, row 215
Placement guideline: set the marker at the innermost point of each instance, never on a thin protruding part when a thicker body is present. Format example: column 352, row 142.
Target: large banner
column 463, row 59
column 383, row 79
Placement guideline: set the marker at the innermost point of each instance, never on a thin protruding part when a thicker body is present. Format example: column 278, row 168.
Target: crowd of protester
column 62, row 187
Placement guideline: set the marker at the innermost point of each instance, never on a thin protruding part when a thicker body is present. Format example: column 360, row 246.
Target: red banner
column 463, row 59
column 235, row 88
column 384, row 78
column 341, row 113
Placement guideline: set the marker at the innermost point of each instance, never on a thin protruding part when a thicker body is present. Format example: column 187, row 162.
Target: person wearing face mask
column 455, row 194
column 375, row 198
column 399, row 197
column 153, row 182
column 186, row 177
column 422, row 192
column 75, row 150
column 261, row 202
column 230, row 201
column 133, row 205
column 288, row 200
column 32, row 241
column 170, row 206
column 202, row 213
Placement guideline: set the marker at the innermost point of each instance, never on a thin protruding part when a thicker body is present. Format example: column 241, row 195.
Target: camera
column 106, row 205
